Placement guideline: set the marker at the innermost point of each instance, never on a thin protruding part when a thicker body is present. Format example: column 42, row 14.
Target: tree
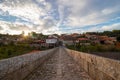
column 118, row 38
column 34, row 34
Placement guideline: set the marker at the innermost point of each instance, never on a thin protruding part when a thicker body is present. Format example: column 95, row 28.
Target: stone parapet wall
column 99, row 68
column 17, row 68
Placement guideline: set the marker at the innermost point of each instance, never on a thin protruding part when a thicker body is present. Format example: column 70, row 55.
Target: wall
column 97, row 67
column 17, row 68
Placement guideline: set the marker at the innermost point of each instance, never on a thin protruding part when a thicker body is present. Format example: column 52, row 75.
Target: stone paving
column 59, row 67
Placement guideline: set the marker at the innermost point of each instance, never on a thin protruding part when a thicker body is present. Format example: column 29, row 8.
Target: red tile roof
column 82, row 39
column 40, row 41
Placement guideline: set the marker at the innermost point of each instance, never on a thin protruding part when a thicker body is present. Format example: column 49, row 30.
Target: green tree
column 118, row 38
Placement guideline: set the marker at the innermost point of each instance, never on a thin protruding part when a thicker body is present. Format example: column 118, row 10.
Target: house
column 52, row 41
column 75, row 35
column 107, row 40
column 94, row 39
column 83, row 41
column 39, row 43
column 67, row 40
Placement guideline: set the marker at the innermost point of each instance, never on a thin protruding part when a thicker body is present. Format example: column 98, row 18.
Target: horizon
column 58, row 16
column 26, row 34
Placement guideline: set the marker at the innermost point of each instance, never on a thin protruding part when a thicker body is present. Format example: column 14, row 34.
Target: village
column 40, row 40
column 92, row 42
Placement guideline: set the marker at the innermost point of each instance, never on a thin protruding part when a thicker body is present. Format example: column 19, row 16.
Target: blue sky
column 58, row 16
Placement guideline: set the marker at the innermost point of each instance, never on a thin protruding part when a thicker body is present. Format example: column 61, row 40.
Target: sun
column 25, row 33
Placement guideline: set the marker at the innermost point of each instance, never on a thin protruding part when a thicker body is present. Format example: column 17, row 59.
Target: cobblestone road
column 59, row 67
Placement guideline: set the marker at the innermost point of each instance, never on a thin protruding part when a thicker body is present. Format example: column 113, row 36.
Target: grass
column 7, row 51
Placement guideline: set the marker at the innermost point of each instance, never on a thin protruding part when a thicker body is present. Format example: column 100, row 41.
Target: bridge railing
column 99, row 68
column 17, row 68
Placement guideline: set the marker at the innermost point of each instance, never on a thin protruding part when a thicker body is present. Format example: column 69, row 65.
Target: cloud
column 53, row 16
column 1, row 28
column 111, row 27
column 86, row 12
column 10, row 28
column 26, row 13
column 25, row 9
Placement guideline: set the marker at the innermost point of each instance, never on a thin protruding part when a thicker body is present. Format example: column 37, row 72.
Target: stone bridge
column 59, row 64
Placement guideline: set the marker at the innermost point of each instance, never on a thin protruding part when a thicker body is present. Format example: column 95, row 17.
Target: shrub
column 95, row 48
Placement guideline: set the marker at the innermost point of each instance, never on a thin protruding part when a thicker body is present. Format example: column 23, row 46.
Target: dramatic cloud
column 111, row 27
column 86, row 12
column 1, row 28
column 58, row 16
